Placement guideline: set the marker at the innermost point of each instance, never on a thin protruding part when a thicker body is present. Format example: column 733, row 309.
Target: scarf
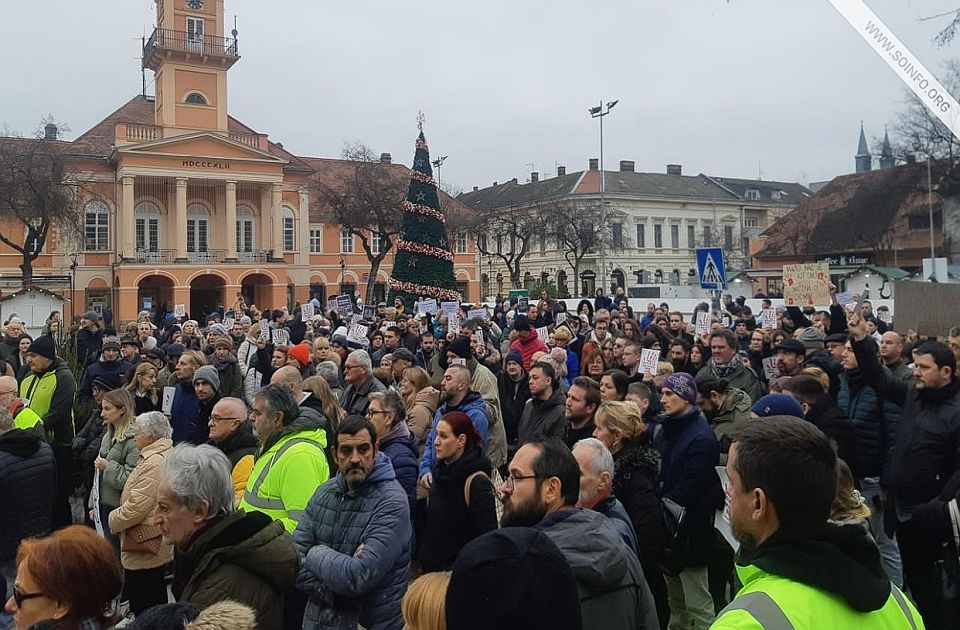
column 727, row 369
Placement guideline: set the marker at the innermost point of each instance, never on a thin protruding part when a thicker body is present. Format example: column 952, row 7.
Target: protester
column 424, row 602
column 596, row 487
column 461, row 505
column 358, row 373
column 513, row 385
column 185, row 410
column 543, row 415
column 726, row 408
column 542, row 490
column 110, row 362
column 527, row 341
column 318, row 396
column 797, row 570
column 228, row 370
column 143, row 554
column 613, row 385
column 232, row 433
column 420, row 401
column 354, row 538
column 206, row 386
column 725, row 364
column 117, row 458
column 221, row 553
column 583, row 399
column 387, row 414
column 820, row 409
column 143, row 389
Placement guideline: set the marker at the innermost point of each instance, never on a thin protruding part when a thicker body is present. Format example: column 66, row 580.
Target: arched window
column 195, row 98
column 96, row 226
column 198, row 229
column 147, row 227
column 289, row 240
column 245, row 230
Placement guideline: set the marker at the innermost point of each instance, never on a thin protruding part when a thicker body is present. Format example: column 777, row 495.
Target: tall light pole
column 599, row 112
column 438, row 163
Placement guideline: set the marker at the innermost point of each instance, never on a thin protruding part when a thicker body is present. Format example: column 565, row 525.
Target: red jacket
column 528, row 348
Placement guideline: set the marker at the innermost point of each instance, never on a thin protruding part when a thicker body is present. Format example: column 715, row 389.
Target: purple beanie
column 683, row 385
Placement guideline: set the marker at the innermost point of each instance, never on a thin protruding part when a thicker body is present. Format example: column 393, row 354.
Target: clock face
column 195, row 4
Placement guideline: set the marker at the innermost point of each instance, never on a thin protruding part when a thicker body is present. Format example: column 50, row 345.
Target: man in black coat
column 514, row 387
column 820, row 409
column 109, row 365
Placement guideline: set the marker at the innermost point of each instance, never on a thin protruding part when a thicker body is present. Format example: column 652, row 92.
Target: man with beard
column 596, row 487
column 790, row 355
column 354, row 538
column 680, row 357
column 678, row 329
column 290, row 463
column 583, row 399
column 543, row 415
column 542, row 491
column 797, row 570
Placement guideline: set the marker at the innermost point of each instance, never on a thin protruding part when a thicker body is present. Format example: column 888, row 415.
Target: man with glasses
column 354, row 538
column 23, row 417
column 358, row 373
column 231, row 433
column 542, row 491
column 290, row 464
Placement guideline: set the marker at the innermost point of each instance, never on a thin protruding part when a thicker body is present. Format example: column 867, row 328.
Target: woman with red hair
column 65, row 581
column 461, row 505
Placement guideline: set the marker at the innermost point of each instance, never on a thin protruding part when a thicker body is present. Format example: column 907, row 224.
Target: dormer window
column 776, row 195
column 753, row 194
column 195, row 98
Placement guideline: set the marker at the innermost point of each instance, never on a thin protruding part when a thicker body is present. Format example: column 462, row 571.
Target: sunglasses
column 19, row 596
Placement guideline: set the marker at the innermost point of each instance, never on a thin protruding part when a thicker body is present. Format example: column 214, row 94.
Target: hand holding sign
column 648, row 361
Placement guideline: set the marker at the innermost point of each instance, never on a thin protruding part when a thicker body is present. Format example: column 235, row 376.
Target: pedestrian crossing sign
column 710, row 268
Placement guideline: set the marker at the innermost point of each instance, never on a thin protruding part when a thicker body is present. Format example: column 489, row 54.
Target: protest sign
column 721, row 520
column 344, row 305
column 648, row 361
column 167, row 403
column 331, row 305
column 428, row 306
column 180, row 310
column 477, row 313
column 523, row 304
column 806, row 285
column 265, row 330
column 458, row 361
column 369, row 313
column 229, row 323
column 306, row 312
column 453, row 324
column 924, row 307
column 702, row 326
column 769, row 316
column 544, row 334
column 559, row 318
column 449, row 307
column 280, row 337
column 357, row 333
column 478, row 338
column 770, row 368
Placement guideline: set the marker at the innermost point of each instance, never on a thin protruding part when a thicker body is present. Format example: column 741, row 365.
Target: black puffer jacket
column 636, row 468
column 835, row 424
column 542, row 419
column 450, row 523
column 874, row 420
column 28, row 480
column 925, row 446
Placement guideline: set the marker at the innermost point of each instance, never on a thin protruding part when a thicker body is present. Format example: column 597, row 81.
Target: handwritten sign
column 357, row 333
column 167, row 405
column 523, row 304
column 453, row 324
column 356, row 318
column 180, row 310
column 806, row 285
column 229, row 324
column 769, row 317
column 306, row 312
column 544, row 334
column 770, row 368
column 702, row 325
column 428, row 306
column 280, row 337
column 331, row 305
column 478, row 338
column 458, row 361
column 648, row 361
column 559, row 318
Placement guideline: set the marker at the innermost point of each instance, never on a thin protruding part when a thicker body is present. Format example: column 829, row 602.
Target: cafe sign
column 845, row 260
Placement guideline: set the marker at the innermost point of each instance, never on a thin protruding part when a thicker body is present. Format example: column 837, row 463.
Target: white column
column 126, row 228
column 180, row 221
column 303, row 245
column 276, row 207
column 231, row 221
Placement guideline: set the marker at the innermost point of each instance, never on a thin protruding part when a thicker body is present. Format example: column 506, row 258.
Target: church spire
column 863, row 159
column 886, row 153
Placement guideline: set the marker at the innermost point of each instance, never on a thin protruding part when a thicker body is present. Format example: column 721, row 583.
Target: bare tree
column 791, row 233
column 948, row 32
column 918, row 130
column 39, row 191
column 582, row 230
column 509, row 235
column 366, row 198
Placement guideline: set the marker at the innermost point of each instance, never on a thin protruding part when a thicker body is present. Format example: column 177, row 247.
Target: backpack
column 495, row 482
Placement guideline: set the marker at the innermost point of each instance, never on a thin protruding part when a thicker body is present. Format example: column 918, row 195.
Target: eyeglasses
column 216, row 418
column 349, row 367
column 9, row 391
column 510, row 483
column 372, row 412
column 19, row 596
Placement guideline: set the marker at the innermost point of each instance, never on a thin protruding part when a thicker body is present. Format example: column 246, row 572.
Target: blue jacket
column 573, row 366
column 689, row 454
column 404, row 454
column 347, row 585
column 475, row 407
column 184, row 412
column 101, row 368
column 875, row 421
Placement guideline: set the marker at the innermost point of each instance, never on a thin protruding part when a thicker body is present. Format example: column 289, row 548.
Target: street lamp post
column 600, row 112
column 438, row 163
column 73, row 285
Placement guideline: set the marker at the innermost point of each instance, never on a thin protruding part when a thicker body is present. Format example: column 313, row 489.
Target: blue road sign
column 710, row 268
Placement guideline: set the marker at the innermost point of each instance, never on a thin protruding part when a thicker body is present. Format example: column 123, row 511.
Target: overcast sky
column 722, row 87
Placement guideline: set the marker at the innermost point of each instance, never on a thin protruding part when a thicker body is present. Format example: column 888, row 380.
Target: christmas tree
column 423, row 265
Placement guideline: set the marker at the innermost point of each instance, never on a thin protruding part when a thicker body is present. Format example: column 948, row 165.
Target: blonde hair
column 424, row 605
column 321, row 342
column 319, row 387
column 120, row 398
column 621, row 417
column 820, row 375
column 133, row 387
column 196, row 357
column 254, row 331
column 848, row 503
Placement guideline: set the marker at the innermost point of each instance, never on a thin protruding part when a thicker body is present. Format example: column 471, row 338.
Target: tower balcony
column 167, row 44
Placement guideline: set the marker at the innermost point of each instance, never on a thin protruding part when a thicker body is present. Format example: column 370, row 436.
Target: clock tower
column 190, row 57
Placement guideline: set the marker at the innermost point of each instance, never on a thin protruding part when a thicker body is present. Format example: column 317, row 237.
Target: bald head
column 231, row 408
column 289, row 376
column 891, row 347
column 8, row 382
column 8, row 391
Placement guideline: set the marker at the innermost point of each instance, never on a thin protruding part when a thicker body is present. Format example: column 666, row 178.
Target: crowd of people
column 407, row 466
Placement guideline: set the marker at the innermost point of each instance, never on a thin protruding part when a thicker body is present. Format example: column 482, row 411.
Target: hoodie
column 613, row 592
column 472, row 405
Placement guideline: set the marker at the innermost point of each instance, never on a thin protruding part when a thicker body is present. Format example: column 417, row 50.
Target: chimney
column 476, row 188
column 534, row 177
column 386, row 158
column 911, row 158
column 626, row 166
column 50, row 132
column 594, row 164
column 561, row 171
column 674, row 169
column 280, row 144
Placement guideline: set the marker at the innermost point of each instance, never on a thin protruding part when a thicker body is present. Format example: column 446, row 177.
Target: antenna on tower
column 143, row 69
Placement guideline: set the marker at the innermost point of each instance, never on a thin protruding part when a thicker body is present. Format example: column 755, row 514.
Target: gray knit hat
column 209, row 374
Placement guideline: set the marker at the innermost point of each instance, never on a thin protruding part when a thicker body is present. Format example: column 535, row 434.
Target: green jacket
column 51, row 395
column 288, row 470
column 730, row 418
column 121, row 457
column 836, row 581
column 742, row 378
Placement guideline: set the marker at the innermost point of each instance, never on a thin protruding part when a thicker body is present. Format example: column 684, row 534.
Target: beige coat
column 138, row 505
column 420, row 412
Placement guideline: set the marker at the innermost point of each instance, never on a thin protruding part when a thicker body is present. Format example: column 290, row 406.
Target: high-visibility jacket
column 769, row 601
column 285, row 477
column 26, row 418
column 50, row 395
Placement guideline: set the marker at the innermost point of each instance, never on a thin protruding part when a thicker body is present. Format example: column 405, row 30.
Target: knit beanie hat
column 683, row 385
column 44, row 346
column 209, row 374
column 218, row 329
column 460, row 347
column 812, row 338
column 301, row 353
column 515, row 356
column 777, row 405
column 513, row 578
column 521, row 323
column 93, row 316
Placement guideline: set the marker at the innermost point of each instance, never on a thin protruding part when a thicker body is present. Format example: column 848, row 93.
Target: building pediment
column 202, row 147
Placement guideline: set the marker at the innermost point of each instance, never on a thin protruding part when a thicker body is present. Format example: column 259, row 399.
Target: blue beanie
column 777, row 405
column 515, row 356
